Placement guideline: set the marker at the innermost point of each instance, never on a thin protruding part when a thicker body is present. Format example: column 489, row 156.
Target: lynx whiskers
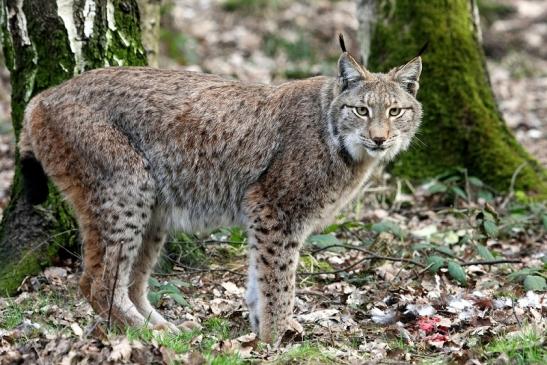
column 138, row 151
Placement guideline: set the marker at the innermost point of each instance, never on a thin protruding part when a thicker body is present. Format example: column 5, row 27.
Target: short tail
column 34, row 179
column 34, row 176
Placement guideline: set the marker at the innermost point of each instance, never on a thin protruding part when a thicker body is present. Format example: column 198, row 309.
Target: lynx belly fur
column 141, row 151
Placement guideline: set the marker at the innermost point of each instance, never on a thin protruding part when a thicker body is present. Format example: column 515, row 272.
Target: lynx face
column 376, row 114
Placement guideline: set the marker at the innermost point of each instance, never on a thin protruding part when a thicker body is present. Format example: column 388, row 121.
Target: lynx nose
column 379, row 140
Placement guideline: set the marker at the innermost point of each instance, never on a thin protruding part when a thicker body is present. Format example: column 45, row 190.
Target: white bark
column 21, row 22
column 476, row 19
column 65, row 9
column 89, row 17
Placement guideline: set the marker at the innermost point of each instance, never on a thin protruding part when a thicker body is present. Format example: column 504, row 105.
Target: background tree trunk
column 462, row 126
column 150, row 25
column 46, row 42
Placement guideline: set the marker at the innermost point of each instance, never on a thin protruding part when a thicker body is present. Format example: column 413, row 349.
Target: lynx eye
column 361, row 111
column 395, row 112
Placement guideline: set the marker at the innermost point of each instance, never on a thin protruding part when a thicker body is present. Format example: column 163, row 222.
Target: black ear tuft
column 423, row 49
column 342, row 43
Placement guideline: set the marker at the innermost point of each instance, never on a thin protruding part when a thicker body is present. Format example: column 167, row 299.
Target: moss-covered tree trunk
column 462, row 126
column 46, row 42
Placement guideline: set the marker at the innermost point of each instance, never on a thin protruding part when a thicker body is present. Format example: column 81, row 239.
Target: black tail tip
column 35, row 180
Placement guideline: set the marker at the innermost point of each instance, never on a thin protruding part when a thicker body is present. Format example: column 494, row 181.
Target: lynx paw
column 166, row 326
column 189, row 326
column 294, row 326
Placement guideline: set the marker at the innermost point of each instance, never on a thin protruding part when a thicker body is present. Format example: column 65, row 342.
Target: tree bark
column 150, row 26
column 462, row 125
column 46, row 42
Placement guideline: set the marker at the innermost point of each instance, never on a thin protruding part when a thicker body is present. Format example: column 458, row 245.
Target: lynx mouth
column 379, row 148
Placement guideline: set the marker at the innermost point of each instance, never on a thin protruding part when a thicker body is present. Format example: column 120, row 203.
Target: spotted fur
column 140, row 151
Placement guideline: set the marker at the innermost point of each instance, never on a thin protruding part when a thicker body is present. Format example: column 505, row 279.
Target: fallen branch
column 372, row 255
column 305, row 273
column 492, row 262
column 183, row 268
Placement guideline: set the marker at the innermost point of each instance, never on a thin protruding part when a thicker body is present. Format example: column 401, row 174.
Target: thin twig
column 515, row 313
column 512, row 186
column 212, row 241
column 111, row 304
column 306, row 273
column 195, row 270
column 492, row 262
column 424, row 270
column 372, row 255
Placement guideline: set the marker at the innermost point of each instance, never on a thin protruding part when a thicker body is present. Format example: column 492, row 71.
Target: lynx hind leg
column 107, row 183
column 122, row 217
column 153, row 240
column 273, row 259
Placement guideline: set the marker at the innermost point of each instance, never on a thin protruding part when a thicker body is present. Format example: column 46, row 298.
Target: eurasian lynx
column 139, row 151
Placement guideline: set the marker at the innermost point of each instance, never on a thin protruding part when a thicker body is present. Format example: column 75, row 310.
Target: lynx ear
column 408, row 75
column 349, row 70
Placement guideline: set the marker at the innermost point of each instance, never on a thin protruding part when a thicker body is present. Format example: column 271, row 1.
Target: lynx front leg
column 270, row 293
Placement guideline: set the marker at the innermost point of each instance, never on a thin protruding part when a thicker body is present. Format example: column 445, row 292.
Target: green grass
column 14, row 313
column 225, row 359
column 400, row 344
column 524, row 347
column 217, row 327
column 306, row 353
column 180, row 343
column 11, row 316
column 184, row 249
column 214, row 330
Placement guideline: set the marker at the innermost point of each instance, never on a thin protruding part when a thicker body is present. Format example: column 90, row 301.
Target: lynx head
column 375, row 114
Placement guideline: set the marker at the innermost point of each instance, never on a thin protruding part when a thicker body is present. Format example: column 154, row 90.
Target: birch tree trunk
column 462, row 126
column 46, row 42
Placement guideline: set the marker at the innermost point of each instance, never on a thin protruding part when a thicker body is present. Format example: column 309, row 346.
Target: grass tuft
column 522, row 347
column 306, row 353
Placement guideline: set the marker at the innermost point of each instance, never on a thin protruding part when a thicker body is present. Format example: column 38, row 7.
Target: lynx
column 140, row 151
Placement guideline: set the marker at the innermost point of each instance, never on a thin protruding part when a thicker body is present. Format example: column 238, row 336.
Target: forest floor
column 444, row 272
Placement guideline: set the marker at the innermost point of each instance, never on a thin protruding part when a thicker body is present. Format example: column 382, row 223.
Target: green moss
column 12, row 276
column 462, row 126
column 124, row 47
column 120, row 47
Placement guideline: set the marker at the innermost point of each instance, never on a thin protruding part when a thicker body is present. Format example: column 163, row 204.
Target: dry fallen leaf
column 168, row 355
column 318, row 315
column 382, row 317
column 232, row 289
column 77, row 329
column 121, row 350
